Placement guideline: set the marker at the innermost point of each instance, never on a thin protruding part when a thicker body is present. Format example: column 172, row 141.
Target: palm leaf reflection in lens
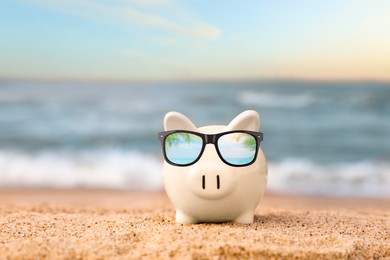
column 176, row 137
column 249, row 141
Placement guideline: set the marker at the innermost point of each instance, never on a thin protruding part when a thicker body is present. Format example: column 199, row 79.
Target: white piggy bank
column 214, row 173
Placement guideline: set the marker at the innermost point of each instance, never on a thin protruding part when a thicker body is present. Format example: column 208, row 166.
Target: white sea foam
column 362, row 179
column 263, row 99
column 109, row 170
column 138, row 171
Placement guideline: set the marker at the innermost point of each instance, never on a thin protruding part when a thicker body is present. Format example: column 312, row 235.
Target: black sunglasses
column 235, row 148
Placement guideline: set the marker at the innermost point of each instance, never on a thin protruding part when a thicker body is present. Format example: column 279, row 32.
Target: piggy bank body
column 211, row 190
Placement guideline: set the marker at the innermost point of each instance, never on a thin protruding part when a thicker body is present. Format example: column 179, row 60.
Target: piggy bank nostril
column 218, row 183
column 204, row 182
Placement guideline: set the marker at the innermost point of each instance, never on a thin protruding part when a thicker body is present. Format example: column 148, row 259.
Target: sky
column 195, row 39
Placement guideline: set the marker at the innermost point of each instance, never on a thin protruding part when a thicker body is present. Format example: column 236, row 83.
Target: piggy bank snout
column 211, row 182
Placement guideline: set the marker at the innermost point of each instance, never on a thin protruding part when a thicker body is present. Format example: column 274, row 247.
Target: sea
column 320, row 138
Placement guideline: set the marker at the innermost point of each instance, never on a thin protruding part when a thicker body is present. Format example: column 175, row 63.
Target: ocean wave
column 303, row 177
column 133, row 170
column 262, row 99
column 95, row 170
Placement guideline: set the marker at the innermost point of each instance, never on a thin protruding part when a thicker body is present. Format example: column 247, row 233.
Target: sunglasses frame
column 210, row 139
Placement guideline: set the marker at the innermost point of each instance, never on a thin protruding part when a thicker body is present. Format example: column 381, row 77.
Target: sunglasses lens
column 183, row 148
column 237, row 148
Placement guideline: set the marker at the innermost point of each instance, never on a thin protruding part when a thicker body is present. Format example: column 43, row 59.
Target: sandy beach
column 111, row 224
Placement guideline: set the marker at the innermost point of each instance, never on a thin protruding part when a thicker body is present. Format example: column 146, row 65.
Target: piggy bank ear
column 247, row 120
column 177, row 121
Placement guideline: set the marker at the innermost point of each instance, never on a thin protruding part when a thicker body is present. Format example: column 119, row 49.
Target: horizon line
column 194, row 80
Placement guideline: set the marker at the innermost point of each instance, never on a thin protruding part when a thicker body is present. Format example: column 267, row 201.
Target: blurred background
column 84, row 87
